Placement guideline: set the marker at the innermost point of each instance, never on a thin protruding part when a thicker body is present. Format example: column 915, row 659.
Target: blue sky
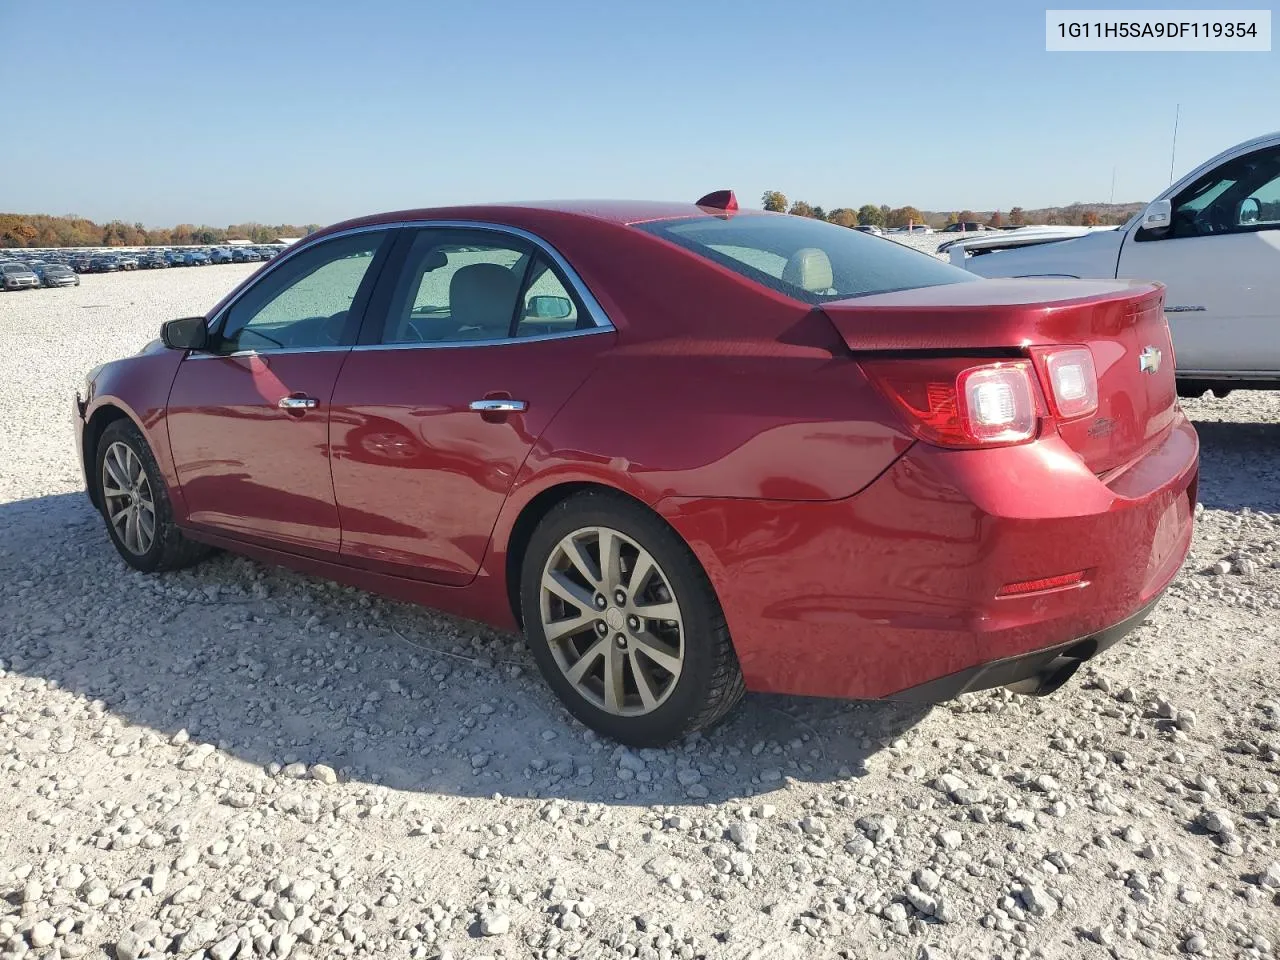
column 284, row 111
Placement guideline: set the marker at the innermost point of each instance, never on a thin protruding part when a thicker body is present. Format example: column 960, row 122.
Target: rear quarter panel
column 715, row 421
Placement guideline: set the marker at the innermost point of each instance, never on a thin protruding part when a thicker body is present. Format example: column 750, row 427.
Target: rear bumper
column 1041, row 671
column 897, row 588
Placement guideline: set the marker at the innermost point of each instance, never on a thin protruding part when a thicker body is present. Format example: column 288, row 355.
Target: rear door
column 1220, row 260
column 474, row 341
column 249, row 419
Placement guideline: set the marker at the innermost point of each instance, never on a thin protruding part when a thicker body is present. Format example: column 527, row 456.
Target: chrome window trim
column 205, row 355
column 594, row 310
column 498, row 342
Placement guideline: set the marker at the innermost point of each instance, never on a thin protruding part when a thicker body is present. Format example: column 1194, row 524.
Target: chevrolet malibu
column 688, row 449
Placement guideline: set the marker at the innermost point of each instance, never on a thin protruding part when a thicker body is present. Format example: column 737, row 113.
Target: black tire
column 710, row 681
column 169, row 549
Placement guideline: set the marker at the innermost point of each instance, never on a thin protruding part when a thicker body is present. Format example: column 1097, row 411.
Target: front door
column 249, row 419
column 1220, row 262
column 474, row 345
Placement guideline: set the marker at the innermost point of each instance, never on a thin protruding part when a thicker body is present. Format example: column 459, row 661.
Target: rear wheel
column 624, row 624
column 135, row 503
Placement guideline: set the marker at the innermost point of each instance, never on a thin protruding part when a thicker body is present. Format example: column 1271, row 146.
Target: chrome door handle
column 298, row 403
column 499, row 406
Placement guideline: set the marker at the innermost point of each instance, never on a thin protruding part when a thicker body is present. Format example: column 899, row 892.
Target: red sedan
column 690, row 450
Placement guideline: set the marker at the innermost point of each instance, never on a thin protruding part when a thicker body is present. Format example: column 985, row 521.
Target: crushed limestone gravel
column 235, row 761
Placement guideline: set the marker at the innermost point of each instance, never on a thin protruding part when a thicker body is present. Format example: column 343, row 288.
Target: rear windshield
column 807, row 259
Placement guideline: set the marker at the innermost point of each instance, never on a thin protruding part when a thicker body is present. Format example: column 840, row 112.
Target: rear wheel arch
column 542, row 504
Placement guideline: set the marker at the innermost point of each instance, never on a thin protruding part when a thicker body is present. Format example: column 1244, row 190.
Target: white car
column 1213, row 240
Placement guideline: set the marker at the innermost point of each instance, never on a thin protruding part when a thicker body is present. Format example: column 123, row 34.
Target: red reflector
column 1020, row 587
column 720, row 200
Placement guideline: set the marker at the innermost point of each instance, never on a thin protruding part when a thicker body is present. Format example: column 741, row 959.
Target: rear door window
column 462, row 286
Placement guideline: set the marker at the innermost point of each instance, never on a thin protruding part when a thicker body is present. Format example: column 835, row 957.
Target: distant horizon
column 319, row 225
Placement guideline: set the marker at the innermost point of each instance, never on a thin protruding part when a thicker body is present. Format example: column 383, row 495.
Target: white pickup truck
column 1213, row 239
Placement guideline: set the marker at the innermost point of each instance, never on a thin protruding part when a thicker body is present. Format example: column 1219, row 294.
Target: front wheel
column 135, row 503
column 624, row 624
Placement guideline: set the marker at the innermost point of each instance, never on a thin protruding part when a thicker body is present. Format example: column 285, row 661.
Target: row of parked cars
column 59, row 268
column 964, row 226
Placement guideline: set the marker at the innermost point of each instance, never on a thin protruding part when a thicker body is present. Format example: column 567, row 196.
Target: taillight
column 1073, row 381
column 954, row 403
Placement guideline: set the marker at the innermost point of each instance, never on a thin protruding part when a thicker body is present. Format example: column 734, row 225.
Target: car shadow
column 276, row 667
column 1238, row 466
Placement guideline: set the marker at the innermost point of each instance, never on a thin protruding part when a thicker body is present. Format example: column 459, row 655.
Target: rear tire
column 134, row 503
column 641, row 679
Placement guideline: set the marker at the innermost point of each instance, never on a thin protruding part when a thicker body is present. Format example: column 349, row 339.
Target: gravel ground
column 236, row 761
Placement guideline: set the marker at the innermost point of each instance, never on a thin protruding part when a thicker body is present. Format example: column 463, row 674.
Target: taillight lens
column 1073, row 381
column 953, row 403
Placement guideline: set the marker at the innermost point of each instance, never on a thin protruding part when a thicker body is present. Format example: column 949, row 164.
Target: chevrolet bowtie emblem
column 1149, row 360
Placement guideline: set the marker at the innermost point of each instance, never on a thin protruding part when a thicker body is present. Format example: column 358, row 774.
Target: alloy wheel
column 130, row 503
column 612, row 621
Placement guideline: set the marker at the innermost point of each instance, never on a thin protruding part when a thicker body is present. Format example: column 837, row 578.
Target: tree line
column 42, row 230
column 869, row 214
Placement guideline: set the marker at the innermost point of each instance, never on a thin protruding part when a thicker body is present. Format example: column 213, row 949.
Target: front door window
column 306, row 302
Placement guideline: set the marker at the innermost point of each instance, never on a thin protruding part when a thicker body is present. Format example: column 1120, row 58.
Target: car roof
column 621, row 212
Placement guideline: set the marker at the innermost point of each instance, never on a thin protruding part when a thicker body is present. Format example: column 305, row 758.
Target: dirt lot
column 236, row 761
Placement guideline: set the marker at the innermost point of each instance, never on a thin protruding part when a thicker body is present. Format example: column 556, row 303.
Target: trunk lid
column 1121, row 322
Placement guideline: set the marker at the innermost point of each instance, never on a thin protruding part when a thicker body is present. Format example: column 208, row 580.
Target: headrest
column 484, row 295
column 809, row 269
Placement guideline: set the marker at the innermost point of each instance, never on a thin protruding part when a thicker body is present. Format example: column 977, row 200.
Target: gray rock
column 130, row 946
column 894, row 912
column 949, row 839
column 744, row 834
column 199, row 935
column 1218, row 822
column 225, row 948
column 1270, row 877
column 927, row 880
column 950, row 783
column 188, row 894
column 922, row 901
column 42, row 933
column 1038, row 901
column 813, row 827
column 494, row 924
column 630, row 761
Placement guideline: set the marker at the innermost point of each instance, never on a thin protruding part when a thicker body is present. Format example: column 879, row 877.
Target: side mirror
column 1249, row 212
column 1158, row 216
column 549, row 308
column 188, row 333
